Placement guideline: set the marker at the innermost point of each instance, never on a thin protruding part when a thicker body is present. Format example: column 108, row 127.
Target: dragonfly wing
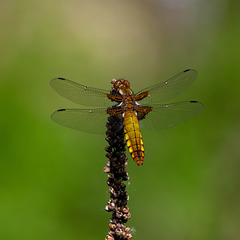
column 85, row 120
column 81, row 94
column 169, row 89
column 164, row 116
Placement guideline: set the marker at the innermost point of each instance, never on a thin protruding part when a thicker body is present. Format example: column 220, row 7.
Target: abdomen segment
column 133, row 136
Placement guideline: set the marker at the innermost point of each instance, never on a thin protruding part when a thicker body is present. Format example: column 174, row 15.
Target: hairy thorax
column 129, row 103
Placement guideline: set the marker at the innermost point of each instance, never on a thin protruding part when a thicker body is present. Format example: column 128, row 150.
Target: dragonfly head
column 120, row 84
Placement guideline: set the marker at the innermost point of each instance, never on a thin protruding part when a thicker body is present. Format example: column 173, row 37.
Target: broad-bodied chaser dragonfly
column 131, row 108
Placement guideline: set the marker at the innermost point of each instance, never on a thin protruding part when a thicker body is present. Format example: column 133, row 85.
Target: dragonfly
column 146, row 107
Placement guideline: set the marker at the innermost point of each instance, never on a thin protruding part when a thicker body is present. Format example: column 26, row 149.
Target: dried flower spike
column 116, row 168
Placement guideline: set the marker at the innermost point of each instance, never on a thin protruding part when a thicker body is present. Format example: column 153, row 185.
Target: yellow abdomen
column 133, row 136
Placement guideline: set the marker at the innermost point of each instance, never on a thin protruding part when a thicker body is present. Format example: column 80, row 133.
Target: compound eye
column 127, row 84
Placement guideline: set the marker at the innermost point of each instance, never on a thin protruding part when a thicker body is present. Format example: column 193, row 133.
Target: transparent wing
column 169, row 115
column 81, row 94
column 169, row 89
column 85, row 120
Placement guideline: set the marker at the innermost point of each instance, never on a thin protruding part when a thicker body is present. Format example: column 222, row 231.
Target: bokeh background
column 52, row 184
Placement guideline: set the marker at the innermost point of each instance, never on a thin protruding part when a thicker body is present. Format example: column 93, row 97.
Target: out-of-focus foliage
column 51, row 181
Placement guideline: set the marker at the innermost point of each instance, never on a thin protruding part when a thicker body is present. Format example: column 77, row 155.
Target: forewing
column 164, row 116
column 169, row 89
column 81, row 94
column 85, row 120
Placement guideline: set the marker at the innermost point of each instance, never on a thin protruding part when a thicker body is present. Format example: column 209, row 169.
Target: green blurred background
column 52, row 184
